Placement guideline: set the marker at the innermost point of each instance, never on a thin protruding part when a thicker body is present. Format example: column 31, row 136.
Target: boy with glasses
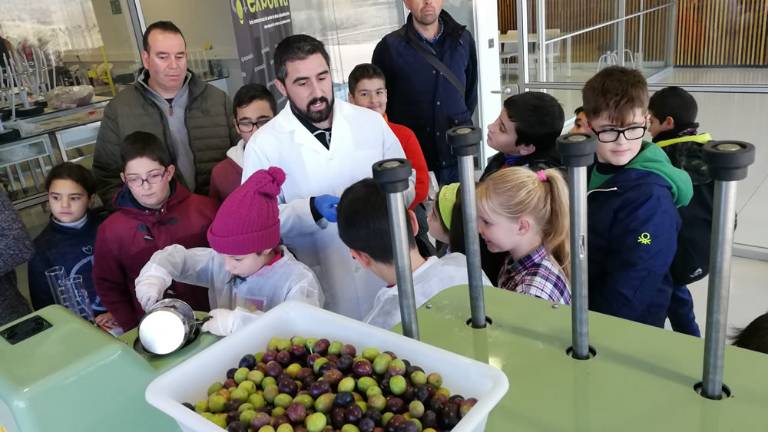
column 633, row 200
column 154, row 210
column 253, row 106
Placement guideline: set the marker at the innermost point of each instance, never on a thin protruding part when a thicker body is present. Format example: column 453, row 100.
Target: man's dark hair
column 538, row 119
column 363, row 221
column 616, row 91
column 755, row 335
column 72, row 171
column 165, row 26
column 364, row 71
column 144, row 144
column 296, row 47
column 578, row 110
column 677, row 103
column 253, row 92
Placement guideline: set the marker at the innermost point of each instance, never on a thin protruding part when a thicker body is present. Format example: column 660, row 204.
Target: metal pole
column 671, row 39
column 399, row 237
column 392, row 176
column 621, row 30
column 522, row 41
column 719, row 287
column 577, row 152
column 471, row 240
column 541, row 25
column 641, row 33
column 464, row 141
column 577, row 179
column 728, row 162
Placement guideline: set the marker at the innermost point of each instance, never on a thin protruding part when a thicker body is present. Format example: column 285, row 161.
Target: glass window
column 88, row 41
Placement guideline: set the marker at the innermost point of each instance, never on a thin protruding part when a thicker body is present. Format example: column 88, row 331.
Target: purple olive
column 353, row 413
column 333, row 376
column 231, row 373
column 311, row 359
column 233, row 416
column 274, row 369
column 337, row 417
column 296, row 412
column 317, row 388
column 321, row 346
column 279, row 419
column 348, row 350
column 268, row 356
column 374, row 415
column 237, row 426
column 421, row 393
column 229, row 383
column 283, row 357
column 409, row 426
column 288, row 386
column 366, row 425
column 261, row 419
column 429, row 419
column 298, row 352
column 395, row 404
column 344, row 399
column 344, row 363
column 248, row 361
column 362, row 368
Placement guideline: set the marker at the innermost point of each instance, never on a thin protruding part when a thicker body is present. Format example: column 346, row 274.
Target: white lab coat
column 435, row 275
column 285, row 279
column 359, row 138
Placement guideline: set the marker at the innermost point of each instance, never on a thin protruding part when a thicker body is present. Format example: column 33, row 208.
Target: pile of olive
column 314, row 385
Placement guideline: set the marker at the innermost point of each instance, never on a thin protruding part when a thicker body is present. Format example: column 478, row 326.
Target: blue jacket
column 419, row 97
column 71, row 248
column 633, row 226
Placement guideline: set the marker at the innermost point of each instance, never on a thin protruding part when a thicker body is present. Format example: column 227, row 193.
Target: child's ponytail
column 556, row 230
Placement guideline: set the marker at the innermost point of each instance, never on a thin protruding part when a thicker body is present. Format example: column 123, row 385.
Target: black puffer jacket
column 209, row 123
column 684, row 149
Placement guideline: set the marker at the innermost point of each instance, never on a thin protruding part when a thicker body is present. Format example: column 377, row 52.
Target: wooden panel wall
column 709, row 32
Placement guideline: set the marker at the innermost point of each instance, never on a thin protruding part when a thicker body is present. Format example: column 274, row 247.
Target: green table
column 641, row 380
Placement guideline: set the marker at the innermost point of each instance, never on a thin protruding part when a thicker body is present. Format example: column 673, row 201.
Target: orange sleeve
column 413, row 153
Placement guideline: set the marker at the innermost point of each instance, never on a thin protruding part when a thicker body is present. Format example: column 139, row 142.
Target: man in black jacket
column 431, row 69
column 673, row 128
column 191, row 117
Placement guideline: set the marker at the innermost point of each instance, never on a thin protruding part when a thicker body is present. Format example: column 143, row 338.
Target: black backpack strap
column 430, row 56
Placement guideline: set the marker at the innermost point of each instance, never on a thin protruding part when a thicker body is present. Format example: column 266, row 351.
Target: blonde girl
column 525, row 214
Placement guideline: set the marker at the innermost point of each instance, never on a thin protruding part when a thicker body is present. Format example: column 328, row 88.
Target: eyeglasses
column 154, row 177
column 611, row 135
column 246, row 126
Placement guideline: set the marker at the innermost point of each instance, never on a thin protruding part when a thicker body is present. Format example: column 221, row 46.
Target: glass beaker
column 80, row 300
column 55, row 277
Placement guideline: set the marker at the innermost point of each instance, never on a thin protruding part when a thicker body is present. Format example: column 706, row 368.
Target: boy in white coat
column 324, row 145
column 364, row 228
column 246, row 269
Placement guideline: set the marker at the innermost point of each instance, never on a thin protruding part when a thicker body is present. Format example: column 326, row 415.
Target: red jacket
column 225, row 178
column 129, row 237
column 414, row 154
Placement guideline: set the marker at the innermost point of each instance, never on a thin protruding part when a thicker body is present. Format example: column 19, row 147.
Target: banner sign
column 259, row 26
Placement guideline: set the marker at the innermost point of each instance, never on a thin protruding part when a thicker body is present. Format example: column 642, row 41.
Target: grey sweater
column 15, row 249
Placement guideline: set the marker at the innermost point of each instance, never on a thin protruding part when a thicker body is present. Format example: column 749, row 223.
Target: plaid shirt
column 537, row 275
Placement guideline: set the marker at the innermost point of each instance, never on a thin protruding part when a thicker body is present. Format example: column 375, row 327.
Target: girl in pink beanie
column 246, row 268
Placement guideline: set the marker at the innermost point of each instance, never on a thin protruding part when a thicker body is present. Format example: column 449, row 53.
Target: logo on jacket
column 644, row 239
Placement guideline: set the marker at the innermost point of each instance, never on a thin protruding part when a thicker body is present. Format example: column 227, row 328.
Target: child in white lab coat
column 364, row 228
column 245, row 269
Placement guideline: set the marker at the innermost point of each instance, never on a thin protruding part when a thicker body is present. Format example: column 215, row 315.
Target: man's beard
column 316, row 116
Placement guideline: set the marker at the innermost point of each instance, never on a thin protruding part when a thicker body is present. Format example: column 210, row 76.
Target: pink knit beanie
column 248, row 220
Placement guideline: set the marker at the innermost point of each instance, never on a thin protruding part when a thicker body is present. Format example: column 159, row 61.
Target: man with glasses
column 191, row 117
column 633, row 200
column 153, row 210
column 253, row 106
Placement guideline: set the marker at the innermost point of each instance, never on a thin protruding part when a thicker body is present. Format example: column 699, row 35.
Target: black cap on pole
column 392, row 174
column 577, row 149
column 464, row 140
column 728, row 160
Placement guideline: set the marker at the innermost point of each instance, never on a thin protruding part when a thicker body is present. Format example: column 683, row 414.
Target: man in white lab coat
column 323, row 146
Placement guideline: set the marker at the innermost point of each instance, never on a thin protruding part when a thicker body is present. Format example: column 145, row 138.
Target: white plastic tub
column 189, row 381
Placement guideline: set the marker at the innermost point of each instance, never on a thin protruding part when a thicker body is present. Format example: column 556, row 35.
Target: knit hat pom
column 267, row 182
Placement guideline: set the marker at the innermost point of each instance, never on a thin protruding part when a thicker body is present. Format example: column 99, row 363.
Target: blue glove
column 326, row 206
